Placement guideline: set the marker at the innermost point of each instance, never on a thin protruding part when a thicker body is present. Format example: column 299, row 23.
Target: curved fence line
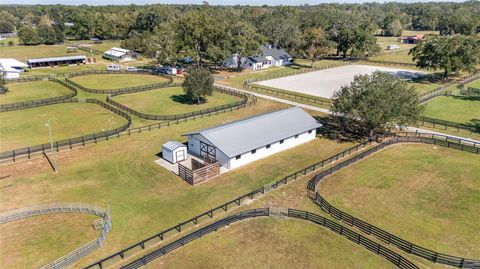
column 244, row 96
column 13, row 154
column 147, row 87
column 65, row 208
column 385, row 236
column 141, row 245
column 391, row 256
column 44, row 101
column 470, row 91
column 83, row 140
column 439, row 91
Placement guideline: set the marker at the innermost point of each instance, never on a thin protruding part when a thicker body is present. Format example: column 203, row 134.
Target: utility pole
column 54, row 164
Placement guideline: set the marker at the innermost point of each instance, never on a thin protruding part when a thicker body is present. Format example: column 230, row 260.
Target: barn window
column 310, row 131
column 281, row 141
column 296, row 136
column 268, row 146
column 238, row 157
column 254, row 151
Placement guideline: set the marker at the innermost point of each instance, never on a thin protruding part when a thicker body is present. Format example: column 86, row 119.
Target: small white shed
column 174, row 151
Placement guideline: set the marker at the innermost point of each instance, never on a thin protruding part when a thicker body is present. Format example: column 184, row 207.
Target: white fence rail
column 65, row 208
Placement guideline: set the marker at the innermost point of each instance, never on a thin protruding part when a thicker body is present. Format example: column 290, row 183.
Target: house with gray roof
column 270, row 56
column 242, row 142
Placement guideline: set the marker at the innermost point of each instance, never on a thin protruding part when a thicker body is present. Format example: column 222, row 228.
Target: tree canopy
column 198, row 84
column 450, row 54
column 373, row 103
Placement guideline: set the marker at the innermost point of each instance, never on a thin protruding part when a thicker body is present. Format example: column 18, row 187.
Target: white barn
column 12, row 67
column 120, row 55
column 174, row 151
column 242, row 142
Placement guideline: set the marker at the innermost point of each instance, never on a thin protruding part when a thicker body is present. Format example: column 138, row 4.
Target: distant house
column 411, row 39
column 57, row 61
column 12, row 67
column 242, row 142
column 120, row 55
column 69, row 24
column 270, row 56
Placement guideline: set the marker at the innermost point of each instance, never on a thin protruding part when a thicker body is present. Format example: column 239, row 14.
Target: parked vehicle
column 132, row 69
column 167, row 70
column 113, row 67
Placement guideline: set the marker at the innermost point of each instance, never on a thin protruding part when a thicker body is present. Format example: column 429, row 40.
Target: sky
column 211, row 2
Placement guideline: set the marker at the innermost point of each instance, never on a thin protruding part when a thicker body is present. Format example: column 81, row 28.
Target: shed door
column 207, row 150
column 180, row 155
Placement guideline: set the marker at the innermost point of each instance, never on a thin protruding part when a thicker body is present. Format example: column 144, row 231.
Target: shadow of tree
column 466, row 98
column 183, row 99
column 332, row 129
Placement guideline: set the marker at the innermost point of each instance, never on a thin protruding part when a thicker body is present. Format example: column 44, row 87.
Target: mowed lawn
column 55, row 229
column 454, row 108
column 28, row 91
column 22, row 53
column 271, row 243
column 116, row 81
column 145, row 198
column 422, row 193
column 170, row 101
column 474, row 84
column 26, row 127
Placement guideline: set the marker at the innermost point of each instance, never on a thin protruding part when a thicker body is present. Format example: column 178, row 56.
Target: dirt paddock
column 324, row 83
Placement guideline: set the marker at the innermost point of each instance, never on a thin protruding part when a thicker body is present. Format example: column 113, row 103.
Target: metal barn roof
column 55, row 59
column 245, row 135
column 173, row 145
column 10, row 62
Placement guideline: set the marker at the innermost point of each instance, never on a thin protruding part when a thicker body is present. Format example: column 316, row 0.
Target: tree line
column 211, row 32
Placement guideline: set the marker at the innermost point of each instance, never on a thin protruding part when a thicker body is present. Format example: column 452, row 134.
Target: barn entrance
column 208, row 151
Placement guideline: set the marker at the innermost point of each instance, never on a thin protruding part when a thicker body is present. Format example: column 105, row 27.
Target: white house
column 270, row 56
column 12, row 67
column 119, row 55
column 174, row 151
column 242, row 142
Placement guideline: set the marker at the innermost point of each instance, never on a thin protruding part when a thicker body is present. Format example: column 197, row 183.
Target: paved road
column 324, row 110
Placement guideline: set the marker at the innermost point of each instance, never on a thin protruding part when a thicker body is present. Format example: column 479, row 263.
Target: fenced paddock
column 244, row 99
column 402, row 244
column 324, row 83
column 70, row 208
column 391, row 256
column 69, row 142
column 118, row 90
column 43, row 101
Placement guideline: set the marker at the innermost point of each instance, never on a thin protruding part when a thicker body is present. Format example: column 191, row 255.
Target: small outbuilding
column 120, row 55
column 174, row 151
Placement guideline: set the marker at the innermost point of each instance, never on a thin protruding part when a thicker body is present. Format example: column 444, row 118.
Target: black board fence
column 391, row 256
column 439, row 91
column 70, row 142
column 385, row 236
column 141, row 245
column 470, row 91
column 39, row 102
column 250, row 84
column 244, row 99
column 435, row 123
column 168, row 83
